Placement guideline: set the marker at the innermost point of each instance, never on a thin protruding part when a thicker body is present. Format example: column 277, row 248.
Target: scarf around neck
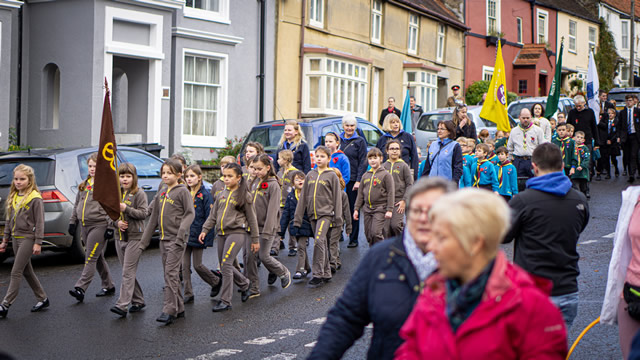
column 463, row 299
column 425, row 264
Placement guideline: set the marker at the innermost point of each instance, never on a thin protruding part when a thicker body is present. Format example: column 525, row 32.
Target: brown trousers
column 23, row 249
column 396, row 225
column 320, row 263
column 228, row 248
column 130, row 291
column 270, row 263
column 205, row 274
column 172, row 252
column 334, row 247
column 95, row 245
column 374, row 224
column 303, row 259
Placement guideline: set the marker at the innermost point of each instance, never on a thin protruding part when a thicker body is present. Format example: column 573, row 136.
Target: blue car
column 269, row 133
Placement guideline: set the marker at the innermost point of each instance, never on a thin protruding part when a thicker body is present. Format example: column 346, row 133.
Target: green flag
column 556, row 84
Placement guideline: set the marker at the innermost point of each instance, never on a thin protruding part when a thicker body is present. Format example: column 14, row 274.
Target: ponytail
column 243, row 188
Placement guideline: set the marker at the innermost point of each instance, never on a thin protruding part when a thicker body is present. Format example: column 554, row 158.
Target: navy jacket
column 409, row 150
column 301, row 157
column 382, row 290
column 202, row 204
column 355, row 148
column 286, row 219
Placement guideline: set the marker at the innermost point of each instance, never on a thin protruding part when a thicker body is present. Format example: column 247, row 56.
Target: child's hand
column 37, row 249
column 388, row 215
column 572, row 171
column 255, row 248
column 355, row 215
column 401, row 205
column 123, row 225
column 201, row 238
column 356, row 185
column 579, row 168
column 123, row 207
column 3, row 247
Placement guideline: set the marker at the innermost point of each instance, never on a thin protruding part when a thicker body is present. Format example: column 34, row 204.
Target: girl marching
column 25, row 227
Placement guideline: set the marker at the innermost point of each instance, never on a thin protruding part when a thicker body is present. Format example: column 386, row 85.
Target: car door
column 148, row 168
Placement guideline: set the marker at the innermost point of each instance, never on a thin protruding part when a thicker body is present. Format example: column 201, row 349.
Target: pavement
column 280, row 324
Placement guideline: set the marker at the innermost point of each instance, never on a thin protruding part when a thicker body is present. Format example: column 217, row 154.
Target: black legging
column 355, row 224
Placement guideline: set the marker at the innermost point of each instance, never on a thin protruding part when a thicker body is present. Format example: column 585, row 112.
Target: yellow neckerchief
column 297, row 193
column 563, row 143
column 89, row 185
column 26, row 199
column 476, row 178
column 195, row 192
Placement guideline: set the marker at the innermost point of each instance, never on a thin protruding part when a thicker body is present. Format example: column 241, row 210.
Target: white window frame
column 425, row 87
column 624, row 24
column 353, row 100
column 218, row 140
column 592, row 44
column 441, row 43
column 497, row 16
column 519, row 34
column 413, row 34
column 487, row 72
column 376, row 14
column 316, row 13
column 545, row 15
column 573, row 39
column 221, row 16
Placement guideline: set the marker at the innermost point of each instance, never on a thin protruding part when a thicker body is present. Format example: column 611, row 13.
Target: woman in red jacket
column 479, row 305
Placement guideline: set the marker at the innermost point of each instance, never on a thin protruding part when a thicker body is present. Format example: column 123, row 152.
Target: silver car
column 58, row 173
column 565, row 104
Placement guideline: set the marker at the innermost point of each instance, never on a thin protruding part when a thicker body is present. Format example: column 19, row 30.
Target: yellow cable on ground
column 575, row 343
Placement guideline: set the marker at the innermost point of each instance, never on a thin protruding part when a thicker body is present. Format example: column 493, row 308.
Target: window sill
column 206, row 15
column 317, row 28
column 378, row 45
column 575, row 52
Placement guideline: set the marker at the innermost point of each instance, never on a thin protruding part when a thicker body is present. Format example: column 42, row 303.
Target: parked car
column 428, row 124
column 269, row 133
column 58, row 173
column 618, row 95
column 565, row 104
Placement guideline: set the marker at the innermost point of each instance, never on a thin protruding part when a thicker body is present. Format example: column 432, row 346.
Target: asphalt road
column 280, row 324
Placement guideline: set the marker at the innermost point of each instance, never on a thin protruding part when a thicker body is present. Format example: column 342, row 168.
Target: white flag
column 593, row 86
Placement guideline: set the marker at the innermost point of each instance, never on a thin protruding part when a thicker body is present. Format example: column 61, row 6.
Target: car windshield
column 429, row 122
column 146, row 165
column 270, row 136
column 43, row 168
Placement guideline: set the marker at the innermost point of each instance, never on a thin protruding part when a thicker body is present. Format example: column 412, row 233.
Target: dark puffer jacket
column 202, row 206
column 286, row 219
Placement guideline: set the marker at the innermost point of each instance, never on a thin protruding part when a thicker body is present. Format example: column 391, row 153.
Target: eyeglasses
column 417, row 213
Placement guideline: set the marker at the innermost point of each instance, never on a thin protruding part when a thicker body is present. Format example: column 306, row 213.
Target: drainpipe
column 300, row 67
column 632, row 39
column 263, row 16
column 19, row 85
column 533, row 21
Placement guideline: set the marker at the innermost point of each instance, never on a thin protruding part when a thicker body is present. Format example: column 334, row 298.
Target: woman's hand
column 201, row 238
column 37, row 249
column 401, row 205
column 463, row 121
column 355, row 215
column 356, row 185
column 255, row 248
column 3, row 246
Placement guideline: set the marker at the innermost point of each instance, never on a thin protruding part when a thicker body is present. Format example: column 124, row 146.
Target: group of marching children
column 575, row 154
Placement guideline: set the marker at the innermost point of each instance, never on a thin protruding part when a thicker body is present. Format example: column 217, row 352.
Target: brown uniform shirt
column 217, row 188
column 402, row 178
column 376, row 190
column 28, row 221
column 266, row 201
column 134, row 215
column 286, row 182
column 87, row 210
column 346, row 219
column 320, row 196
column 172, row 213
column 227, row 218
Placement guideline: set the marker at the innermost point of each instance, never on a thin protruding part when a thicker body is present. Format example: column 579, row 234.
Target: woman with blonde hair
column 464, row 125
column 477, row 297
column 25, row 227
column 392, row 128
column 293, row 139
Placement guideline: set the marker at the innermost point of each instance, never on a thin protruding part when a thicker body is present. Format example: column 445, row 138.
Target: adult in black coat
column 386, row 284
column 392, row 109
column 629, row 130
column 393, row 131
column 464, row 125
column 583, row 119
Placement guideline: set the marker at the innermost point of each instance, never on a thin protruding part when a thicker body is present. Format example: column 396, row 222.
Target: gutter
column 261, row 75
column 429, row 13
column 19, row 85
column 301, row 59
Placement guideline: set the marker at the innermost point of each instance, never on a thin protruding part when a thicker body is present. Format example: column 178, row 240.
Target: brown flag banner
column 106, row 184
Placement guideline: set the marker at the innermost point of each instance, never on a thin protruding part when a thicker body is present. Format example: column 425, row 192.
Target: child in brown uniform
column 95, row 234
column 285, row 174
column 233, row 217
column 336, row 228
column 25, row 227
column 173, row 213
column 130, row 228
column 218, row 186
column 251, row 150
column 402, row 180
column 376, row 193
column 321, row 199
column 266, row 202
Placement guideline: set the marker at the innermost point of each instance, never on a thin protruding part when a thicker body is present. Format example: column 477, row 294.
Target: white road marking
column 610, row 236
column 217, row 354
column 310, row 345
column 318, row 321
column 283, row 356
column 587, row 242
column 260, row 341
column 213, row 343
column 287, row 332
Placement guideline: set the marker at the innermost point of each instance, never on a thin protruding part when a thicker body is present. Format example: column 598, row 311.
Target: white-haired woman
column 355, row 147
column 479, row 305
column 293, row 139
column 392, row 127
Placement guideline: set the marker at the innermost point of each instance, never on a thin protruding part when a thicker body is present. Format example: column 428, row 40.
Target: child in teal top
column 580, row 178
column 484, row 172
column 507, row 175
column 568, row 148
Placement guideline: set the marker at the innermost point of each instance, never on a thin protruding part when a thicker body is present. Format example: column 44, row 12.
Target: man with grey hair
column 522, row 141
column 583, row 119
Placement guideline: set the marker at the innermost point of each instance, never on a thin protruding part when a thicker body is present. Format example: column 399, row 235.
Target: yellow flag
column 495, row 105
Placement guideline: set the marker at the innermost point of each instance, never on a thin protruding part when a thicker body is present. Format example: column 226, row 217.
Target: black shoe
column 244, row 295
column 188, row 299
column 180, row 315
column 4, row 310
column 285, row 280
column 631, row 179
column 105, row 292
column 272, row 278
column 608, row 177
column 352, row 244
column 40, row 305
column 315, row 282
column 165, row 318
column 293, row 252
column 326, row 280
column 281, row 245
column 598, row 177
column 273, row 253
column 298, row 275
column 215, row 289
column 116, row 310
column 221, row 307
column 136, row 308
column 333, row 270
column 339, row 267
column 77, row 293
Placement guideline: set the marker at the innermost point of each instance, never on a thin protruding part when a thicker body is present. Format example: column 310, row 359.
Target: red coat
column 514, row 320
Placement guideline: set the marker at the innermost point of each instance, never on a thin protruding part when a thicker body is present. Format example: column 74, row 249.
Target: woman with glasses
column 463, row 124
column 392, row 127
column 444, row 157
column 386, row 284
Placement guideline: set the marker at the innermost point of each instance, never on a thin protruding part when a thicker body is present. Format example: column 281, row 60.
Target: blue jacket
column 466, row 180
column 301, row 157
column 487, row 175
column 469, row 160
column 447, row 162
column 382, row 290
column 355, row 148
column 286, row 219
column 340, row 161
column 421, row 168
column 493, row 158
column 507, row 179
column 202, row 204
column 409, row 149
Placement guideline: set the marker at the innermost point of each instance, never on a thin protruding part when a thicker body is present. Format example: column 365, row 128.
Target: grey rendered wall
column 8, row 72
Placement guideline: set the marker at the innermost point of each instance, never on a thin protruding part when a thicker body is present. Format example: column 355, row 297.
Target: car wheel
column 77, row 248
